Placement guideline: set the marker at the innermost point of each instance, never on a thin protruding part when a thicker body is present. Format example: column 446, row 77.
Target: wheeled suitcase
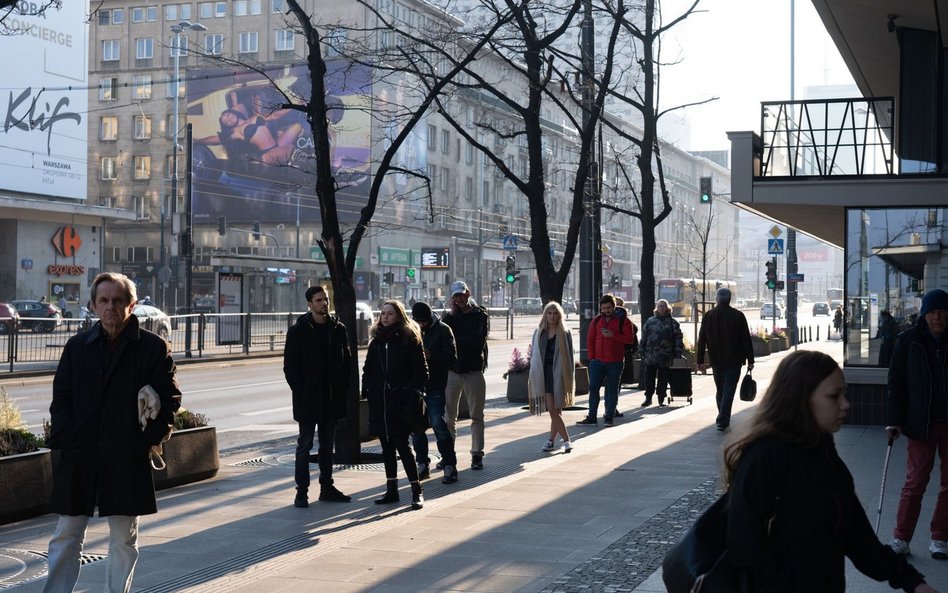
column 679, row 381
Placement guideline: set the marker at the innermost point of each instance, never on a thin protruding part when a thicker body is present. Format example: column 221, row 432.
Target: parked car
column 153, row 319
column 570, row 305
column 527, row 306
column 768, row 310
column 38, row 315
column 821, row 309
column 834, row 304
column 9, row 318
column 204, row 305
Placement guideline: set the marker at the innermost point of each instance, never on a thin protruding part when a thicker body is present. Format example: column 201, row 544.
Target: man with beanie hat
column 438, row 342
column 918, row 406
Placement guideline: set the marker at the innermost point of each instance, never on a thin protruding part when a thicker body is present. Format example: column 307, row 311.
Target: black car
column 39, row 316
column 204, row 305
column 821, row 309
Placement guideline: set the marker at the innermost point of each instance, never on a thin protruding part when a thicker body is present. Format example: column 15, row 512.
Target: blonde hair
column 559, row 309
column 404, row 324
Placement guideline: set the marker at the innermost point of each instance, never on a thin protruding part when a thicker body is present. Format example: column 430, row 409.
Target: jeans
column 66, row 545
column 474, row 387
column 656, row 374
column 304, row 444
column 725, row 384
column 920, row 460
column 436, row 403
column 611, row 372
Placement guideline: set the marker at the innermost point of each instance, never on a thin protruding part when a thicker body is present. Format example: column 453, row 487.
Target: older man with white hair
column 726, row 337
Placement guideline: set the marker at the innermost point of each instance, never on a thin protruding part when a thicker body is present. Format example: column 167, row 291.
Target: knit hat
column 421, row 311
column 934, row 300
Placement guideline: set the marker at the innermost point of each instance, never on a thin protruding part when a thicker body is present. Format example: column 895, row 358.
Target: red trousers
column 919, row 464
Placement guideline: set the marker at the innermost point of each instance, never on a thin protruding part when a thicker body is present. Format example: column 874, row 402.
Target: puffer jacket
column 918, row 381
column 661, row 341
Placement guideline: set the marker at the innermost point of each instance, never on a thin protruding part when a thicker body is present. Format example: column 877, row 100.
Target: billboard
column 43, row 140
column 253, row 161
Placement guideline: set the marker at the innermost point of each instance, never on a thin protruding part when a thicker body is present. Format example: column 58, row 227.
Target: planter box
column 191, row 456
column 27, row 485
column 775, row 345
column 760, row 348
column 517, row 391
column 582, row 380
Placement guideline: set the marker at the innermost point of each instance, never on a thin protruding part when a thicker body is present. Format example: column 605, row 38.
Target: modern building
column 864, row 173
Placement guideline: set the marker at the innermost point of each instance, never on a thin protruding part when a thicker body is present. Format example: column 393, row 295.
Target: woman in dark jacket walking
column 793, row 512
column 394, row 374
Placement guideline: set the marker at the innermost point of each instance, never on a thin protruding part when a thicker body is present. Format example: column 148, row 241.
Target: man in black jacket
column 441, row 354
column 917, row 399
column 724, row 333
column 316, row 366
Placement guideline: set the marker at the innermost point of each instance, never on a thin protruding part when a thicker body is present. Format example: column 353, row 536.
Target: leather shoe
column 301, row 501
column 331, row 494
column 450, row 475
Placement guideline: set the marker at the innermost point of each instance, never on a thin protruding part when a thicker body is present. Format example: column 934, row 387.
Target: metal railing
column 827, row 137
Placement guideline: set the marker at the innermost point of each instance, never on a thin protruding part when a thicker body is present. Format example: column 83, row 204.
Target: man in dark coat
column 726, row 337
column 104, row 436
column 442, row 356
column 316, row 362
column 917, row 402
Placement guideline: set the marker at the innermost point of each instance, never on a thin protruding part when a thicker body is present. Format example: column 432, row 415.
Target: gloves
column 148, row 405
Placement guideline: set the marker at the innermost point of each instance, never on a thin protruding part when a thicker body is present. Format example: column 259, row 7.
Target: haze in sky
column 739, row 51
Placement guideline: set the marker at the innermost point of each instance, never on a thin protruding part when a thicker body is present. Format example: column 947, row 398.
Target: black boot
column 391, row 492
column 417, row 496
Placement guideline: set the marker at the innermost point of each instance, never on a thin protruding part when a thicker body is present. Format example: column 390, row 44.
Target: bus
column 681, row 292
column 834, row 294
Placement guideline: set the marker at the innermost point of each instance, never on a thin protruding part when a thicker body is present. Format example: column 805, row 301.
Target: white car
column 153, row 319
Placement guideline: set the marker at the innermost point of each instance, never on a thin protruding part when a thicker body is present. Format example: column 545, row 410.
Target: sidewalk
column 599, row 519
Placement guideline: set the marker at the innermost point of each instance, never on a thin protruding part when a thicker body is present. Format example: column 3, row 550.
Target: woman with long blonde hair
column 551, row 382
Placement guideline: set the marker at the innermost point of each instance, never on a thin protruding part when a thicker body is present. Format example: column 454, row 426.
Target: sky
column 739, row 51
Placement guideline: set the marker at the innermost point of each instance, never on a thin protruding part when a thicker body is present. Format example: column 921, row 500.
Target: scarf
column 563, row 371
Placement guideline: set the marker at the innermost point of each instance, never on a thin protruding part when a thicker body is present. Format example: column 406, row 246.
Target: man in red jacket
column 606, row 339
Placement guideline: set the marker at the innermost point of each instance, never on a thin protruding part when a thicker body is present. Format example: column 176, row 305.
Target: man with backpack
column 606, row 338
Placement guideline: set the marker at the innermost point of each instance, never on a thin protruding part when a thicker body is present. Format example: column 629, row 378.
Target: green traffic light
column 411, row 272
column 510, row 278
column 771, row 284
column 705, row 198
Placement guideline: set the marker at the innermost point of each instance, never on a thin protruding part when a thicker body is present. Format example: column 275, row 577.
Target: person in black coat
column 793, row 514
column 103, row 436
column 393, row 380
column 316, row 362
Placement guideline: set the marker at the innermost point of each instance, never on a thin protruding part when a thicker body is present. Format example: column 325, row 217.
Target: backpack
column 633, row 346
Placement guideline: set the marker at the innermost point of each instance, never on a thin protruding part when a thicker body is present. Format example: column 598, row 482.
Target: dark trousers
column 656, row 375
column 436, row 403
column 725, row 384
column 398, row 443
column 304, row 444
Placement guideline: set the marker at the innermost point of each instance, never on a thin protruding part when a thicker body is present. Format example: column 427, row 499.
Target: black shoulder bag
column 409, row 403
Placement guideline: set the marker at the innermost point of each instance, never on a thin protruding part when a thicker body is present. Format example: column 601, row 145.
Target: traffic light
column 511, row 267
column 410, row 274
column 256, row 231
column 771, row 274
column 615, row 281
column 388, row 278
column 706, row 190
column 221, row 225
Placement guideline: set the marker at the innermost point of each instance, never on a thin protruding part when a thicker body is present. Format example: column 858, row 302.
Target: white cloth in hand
column 148, row 405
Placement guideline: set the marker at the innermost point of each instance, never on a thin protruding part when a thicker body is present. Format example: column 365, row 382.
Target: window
column 248, row 42
column 432, row 137
column 182, row 48
column 278, row 6
column 443, row 180
column 468, row 188
column 107, row 201
column 151, row 14
column 141, row 207
column 432, row 172
column 169, row 166
column 138, row 14
column 185, row 12
column 169, row 125
column 245, row 7
column 485, row 193
column 141, row 87
column 171, row 12
column 445, row 141
column 142, row 167
column 111, row 50
column 111, row 17
column 206, row 10
column 144, row 48
column 469, row 154
column 182, row 88
column 108, row 89
column 107, row 165
column 214, row 44
column 284, row 40
column 108, row 128
column 142, row 127
column 115, row 253
column 220, row 9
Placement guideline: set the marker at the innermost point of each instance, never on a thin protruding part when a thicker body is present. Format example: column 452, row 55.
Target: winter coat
column 390, row 365
column 94, row 421
column 442, row 355
column 818, row 521
column 661, row 341
column 724, row 333
column 470, row 335
column 611, row 349
column 317, row 371
column 917, row 375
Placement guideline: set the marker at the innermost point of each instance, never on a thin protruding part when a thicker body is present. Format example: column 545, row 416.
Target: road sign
column 775, row 231
column 775, row 246
column 794, row 277
column 510, row 242
column 606, row 261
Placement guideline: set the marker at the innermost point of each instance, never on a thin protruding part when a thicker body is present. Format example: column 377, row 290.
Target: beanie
column 934, row 300
column 421, row 311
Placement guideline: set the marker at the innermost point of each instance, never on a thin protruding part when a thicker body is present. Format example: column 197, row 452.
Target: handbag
column 748, row 388
column 412, row 411
column 700, row 561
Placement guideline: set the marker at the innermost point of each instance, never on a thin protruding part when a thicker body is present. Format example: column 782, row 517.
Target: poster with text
column 230, row 323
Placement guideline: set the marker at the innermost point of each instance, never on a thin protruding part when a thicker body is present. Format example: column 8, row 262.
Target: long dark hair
column 784, row 410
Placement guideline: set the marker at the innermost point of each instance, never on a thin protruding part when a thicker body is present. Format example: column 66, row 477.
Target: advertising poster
column 230, row 323
column 45, row 100
column 253, row 161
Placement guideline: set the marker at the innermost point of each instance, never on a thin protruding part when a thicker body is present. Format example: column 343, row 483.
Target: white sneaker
column 567, row 447
column 938, row 549
column 548, row 446
column 899, row 546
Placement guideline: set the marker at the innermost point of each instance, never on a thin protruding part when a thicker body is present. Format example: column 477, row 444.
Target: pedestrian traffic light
column 771, row 276
column 221, row 225
column 511, row 267
column 256, row 231
column 706, row 190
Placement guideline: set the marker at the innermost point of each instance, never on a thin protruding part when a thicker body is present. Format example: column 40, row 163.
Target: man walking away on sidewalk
column 438, row 342
column 918, row 406
column 470, row 325
column 726, row 337
column 316, row 362
column 606, row 339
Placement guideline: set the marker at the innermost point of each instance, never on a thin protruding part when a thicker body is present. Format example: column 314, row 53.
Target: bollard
column 271, row 343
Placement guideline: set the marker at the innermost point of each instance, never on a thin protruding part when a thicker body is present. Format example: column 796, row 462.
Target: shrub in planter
column 518, row 370
column 191, row 453
column 26, row 470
